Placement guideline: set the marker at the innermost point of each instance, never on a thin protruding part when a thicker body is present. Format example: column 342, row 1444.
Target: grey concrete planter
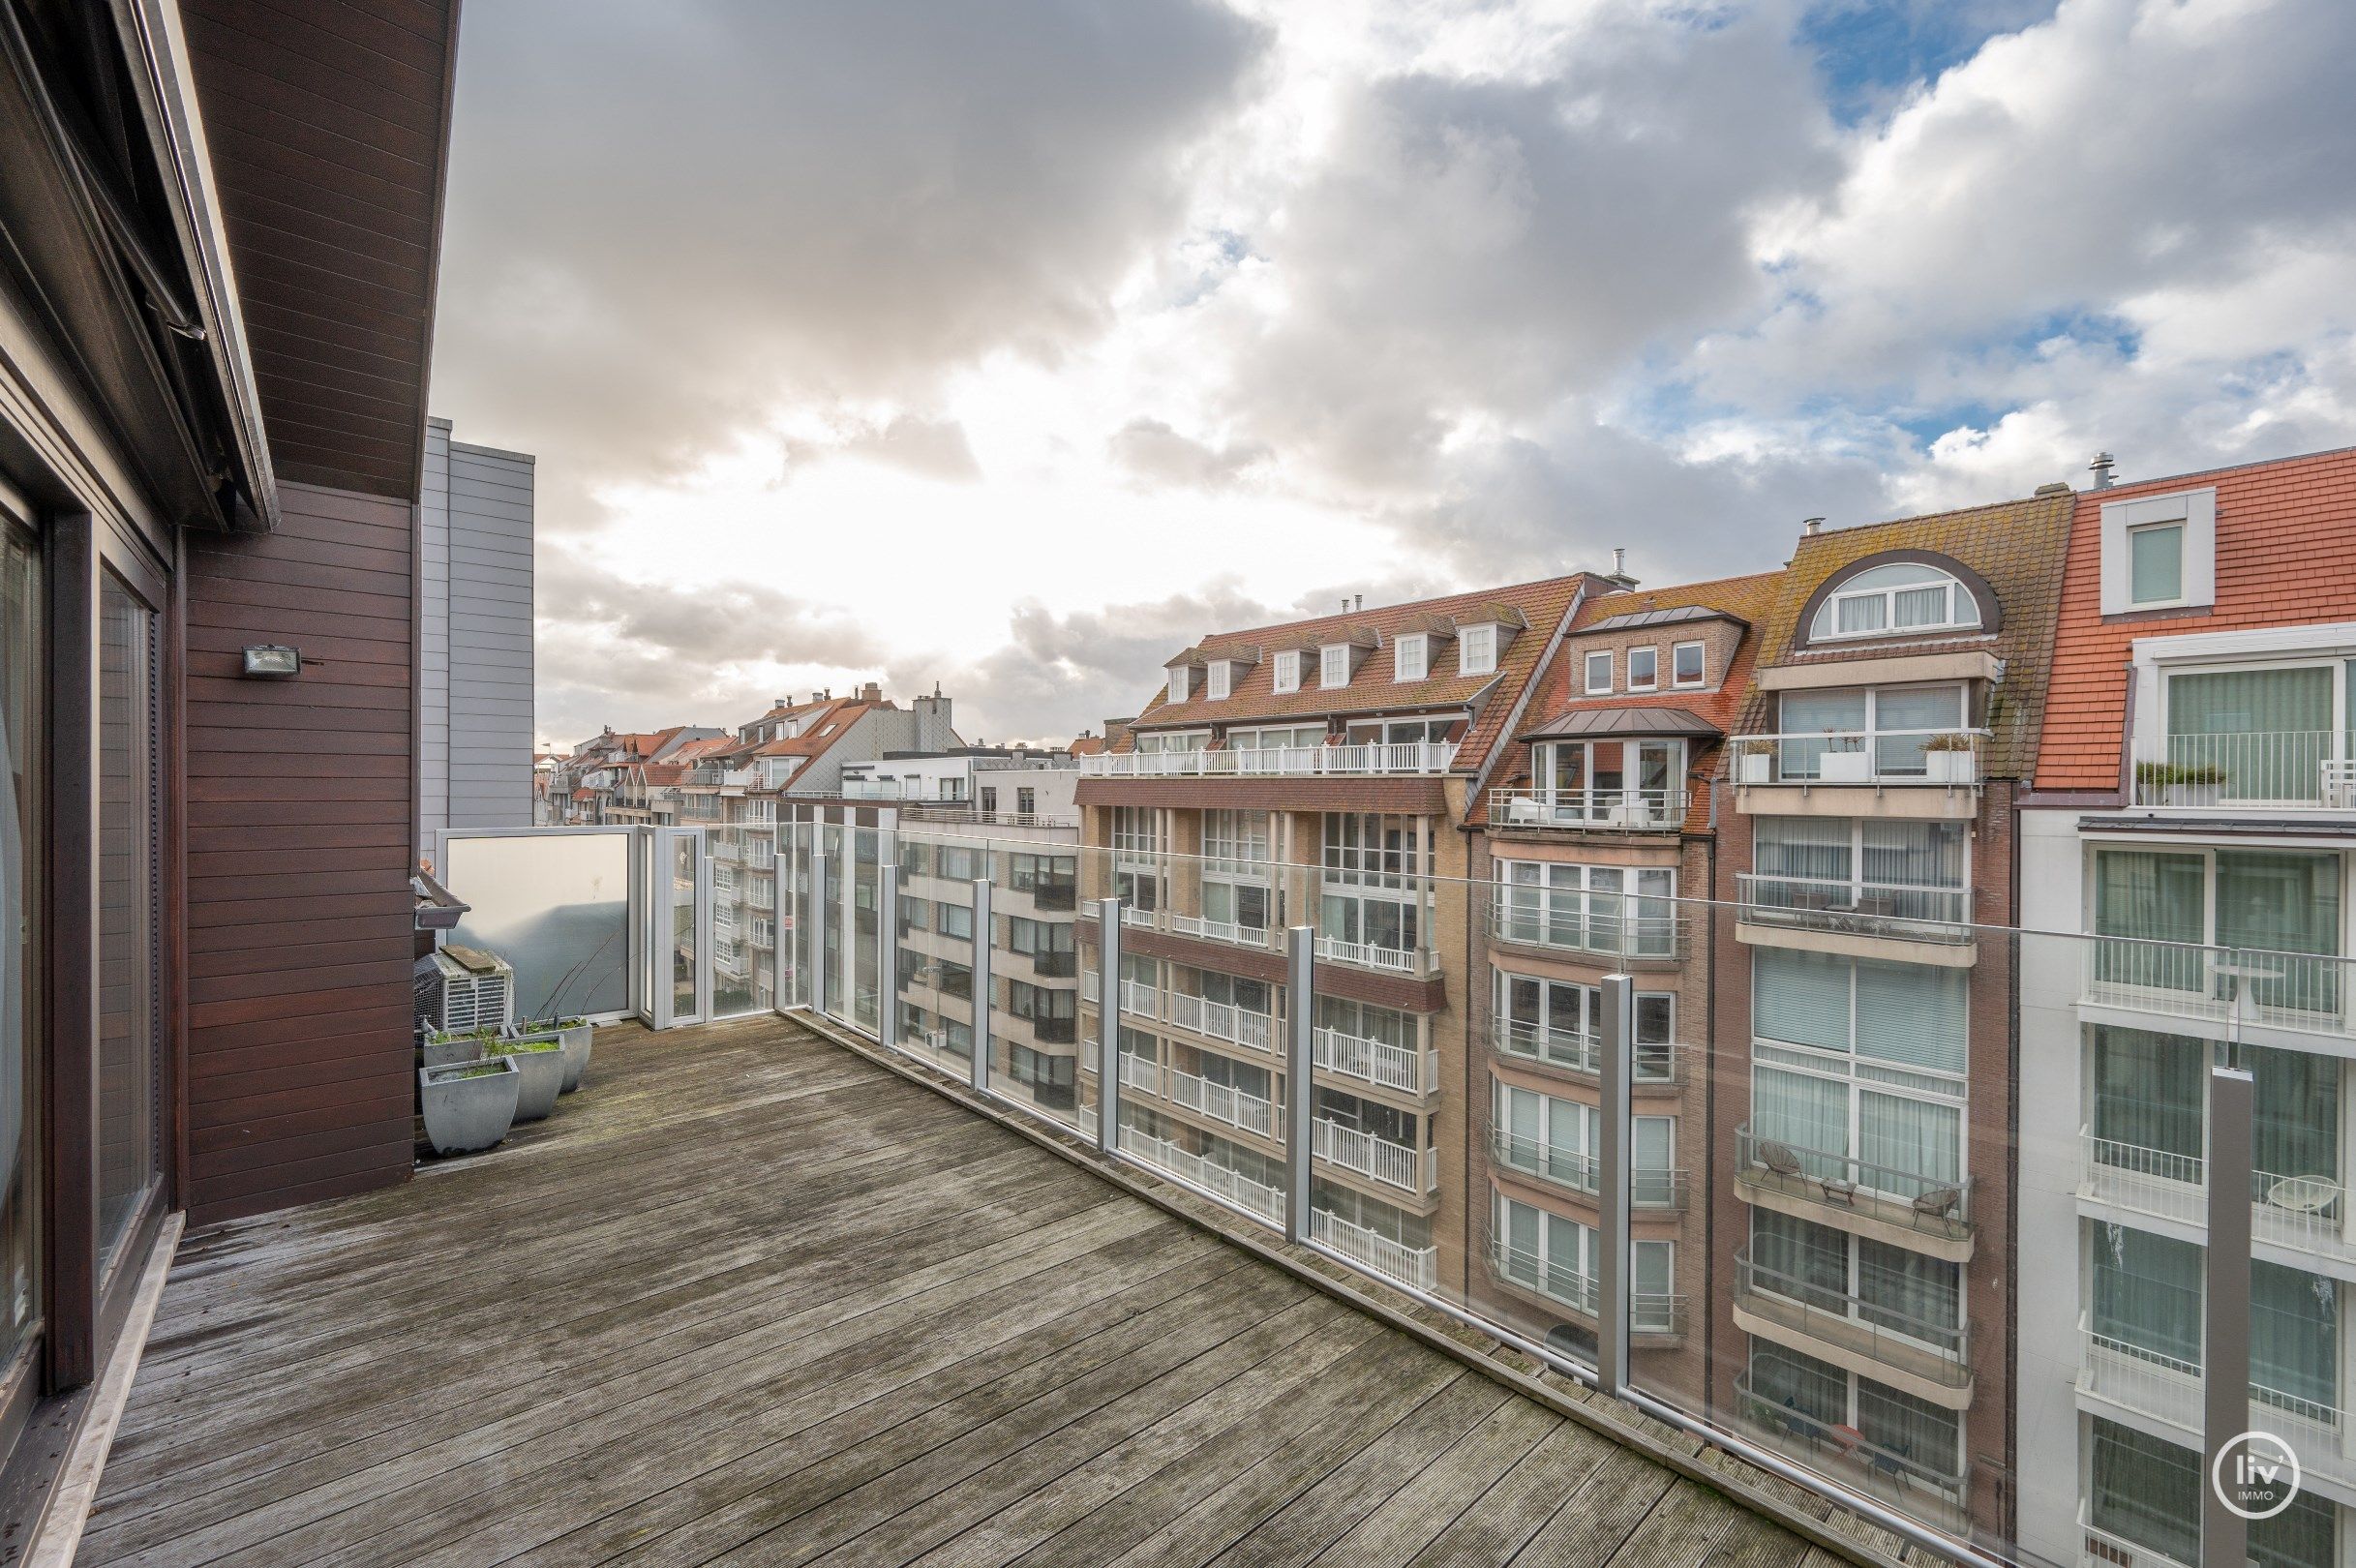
column 540, row 1060
column 439, row 1052
column 576, row 1038
column 469, row 1105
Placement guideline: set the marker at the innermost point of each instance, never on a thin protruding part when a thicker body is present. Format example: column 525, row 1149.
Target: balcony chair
column 1939, row 1203
column 1780, row 1160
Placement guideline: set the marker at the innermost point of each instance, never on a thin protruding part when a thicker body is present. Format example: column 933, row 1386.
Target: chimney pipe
column 1811, row 525
column 1359, row 603
column 2101, row 468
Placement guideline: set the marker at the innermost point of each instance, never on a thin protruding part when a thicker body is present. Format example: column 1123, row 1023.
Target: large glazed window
column 126, row 909
column 21, row 834
column 1906, row 596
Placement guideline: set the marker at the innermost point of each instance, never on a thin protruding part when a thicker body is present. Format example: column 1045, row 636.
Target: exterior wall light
column 272, row 661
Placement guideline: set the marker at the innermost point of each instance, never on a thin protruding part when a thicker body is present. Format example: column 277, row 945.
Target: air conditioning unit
column 461, row 988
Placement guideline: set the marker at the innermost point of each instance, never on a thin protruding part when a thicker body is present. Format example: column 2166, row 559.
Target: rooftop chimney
column 1811, row 525
column 1357, row 603
column 871, row 693
column 1619, row 576
column 2100, row 467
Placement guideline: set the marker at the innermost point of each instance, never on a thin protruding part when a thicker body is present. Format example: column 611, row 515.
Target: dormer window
column 1411, row 656
column 1644, row 668
column 1476, row 650
column 1686, row 665
column 2160, row 551
column 1901, row 597
column 1332, row 665
column 1221, row 675
column 1599, row 672
column 1178, row 687
column 1286, row 675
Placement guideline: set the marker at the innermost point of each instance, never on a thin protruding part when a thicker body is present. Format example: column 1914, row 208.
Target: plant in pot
column 574, row 1035
column 469, row 1105
column 540, row 1060
column 1754, row 762
column 2178, row 784
column 1948, row 758
column 448, row 1047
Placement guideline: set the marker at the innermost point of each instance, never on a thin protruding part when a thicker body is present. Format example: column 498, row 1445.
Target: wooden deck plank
column 750, row 1298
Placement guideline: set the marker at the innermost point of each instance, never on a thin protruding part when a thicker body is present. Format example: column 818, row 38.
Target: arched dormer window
column 1893, row 598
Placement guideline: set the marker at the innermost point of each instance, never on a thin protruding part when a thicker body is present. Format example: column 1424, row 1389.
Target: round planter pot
column 469, row 1105
column 576, row 1040
column 542, row 1069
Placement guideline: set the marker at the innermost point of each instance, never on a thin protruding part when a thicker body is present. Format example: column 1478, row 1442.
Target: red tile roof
column 1746, row 598
column 824, row 725
column 2285, row 556
column 1371, row 690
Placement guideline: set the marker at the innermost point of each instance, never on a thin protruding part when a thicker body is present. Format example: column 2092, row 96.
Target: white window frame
column 1286, row 676
column 1333, row 660
column 1482, row 635
column 1411, row 657
column 1178, row 682
column 1589, row 669
column 1828, row 614
column 1701, row 677
column 2196, row 510
column 1220, row 681
column 1651, row 683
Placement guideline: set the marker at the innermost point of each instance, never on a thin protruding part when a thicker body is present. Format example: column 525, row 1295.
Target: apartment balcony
column 2100, row 1549
column 1221, row 1021
column 1654, row 1315
column 726, row 850
column 1056, row 895
column 1570, row 1050
column 1588, row 811
column 1358, row 761
column 959, row 814
column 1230, row 933
column 1922, row 1490
column 1411, row 1170
column 1928, row 1359
column 1913, row 773
column 1618, row 927
column 1383, row 957
column 1254, row 1197
column 2262, row 773
column 1415, row 1266
column 1574, row 1172
column 1925, row 1212
column 1238, row 1108
column 2302, row 1218
column 1869, row 918
column 2260, row 997
column 2168, row 1389
column 1060, row 963
column 1401, row 1069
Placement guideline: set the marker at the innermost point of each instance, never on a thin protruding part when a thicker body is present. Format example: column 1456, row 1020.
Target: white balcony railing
column 1245, row 1193
column 1376, row 1062
column 2169, row 1389
column 2294, row 992
column 1140, row 1073
column 1285, row 761
column 1375, row 955
column 2305, row 1213
column 1394, row 1164
column 1946, row 758
column 1910, row 911
column 1221, row 1020
column 1608, row 924
column 1416, row 1266
column 1231, row 932
column 1219, row 1102
column 1140, row 999
column 2296, row 769
column 1627, row 811
column 1565, row 1048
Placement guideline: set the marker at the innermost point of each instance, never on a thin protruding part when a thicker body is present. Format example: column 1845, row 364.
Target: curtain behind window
column 2149, row 1090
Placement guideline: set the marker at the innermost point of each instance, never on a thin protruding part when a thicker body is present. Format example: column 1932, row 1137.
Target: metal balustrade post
column 985, row 943
column 1615, row 1179
column 887, row 953
column 818, row 930
column 1300, row 1068
column 1108, row 1026
column 2225, row 1534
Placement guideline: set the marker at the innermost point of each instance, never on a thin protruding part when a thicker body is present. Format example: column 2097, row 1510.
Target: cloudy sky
column 1013, row 345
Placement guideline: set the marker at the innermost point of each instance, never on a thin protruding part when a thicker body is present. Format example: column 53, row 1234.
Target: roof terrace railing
column 1360, row 759
column 2283, row 769
column 1948, row 758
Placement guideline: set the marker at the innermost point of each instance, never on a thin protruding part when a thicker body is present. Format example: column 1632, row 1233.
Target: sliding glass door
column 127, row 715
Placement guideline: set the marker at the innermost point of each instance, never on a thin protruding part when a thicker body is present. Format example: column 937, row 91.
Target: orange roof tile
column 2285, row 556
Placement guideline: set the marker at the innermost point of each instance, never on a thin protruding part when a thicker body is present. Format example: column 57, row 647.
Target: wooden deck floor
column 751, row 1299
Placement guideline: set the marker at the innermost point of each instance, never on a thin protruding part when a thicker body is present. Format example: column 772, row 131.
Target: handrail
column 1349, row 758
column 1589, row 810
column 1861, row 757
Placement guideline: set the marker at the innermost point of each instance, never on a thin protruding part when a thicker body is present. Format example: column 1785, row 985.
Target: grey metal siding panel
column 491, row 714
column 434, row 632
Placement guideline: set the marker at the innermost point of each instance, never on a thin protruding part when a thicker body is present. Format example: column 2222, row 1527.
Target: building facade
column 475, row 741
column 2196, row 786
column 1314, row 774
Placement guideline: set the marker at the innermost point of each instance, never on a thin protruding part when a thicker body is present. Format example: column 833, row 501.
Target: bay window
column 1560, row 1022
column 1868, row 1282
column 1858, row 1066
column 1619, row 910
column 1611, row 780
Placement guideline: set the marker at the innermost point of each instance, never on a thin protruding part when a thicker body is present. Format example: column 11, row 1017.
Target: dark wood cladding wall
column 300, row 803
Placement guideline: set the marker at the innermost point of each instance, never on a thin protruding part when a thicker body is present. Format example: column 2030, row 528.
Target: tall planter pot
column 540, row 1060
column 469, row 1105
column 451, row 1050
column 576, row 1038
